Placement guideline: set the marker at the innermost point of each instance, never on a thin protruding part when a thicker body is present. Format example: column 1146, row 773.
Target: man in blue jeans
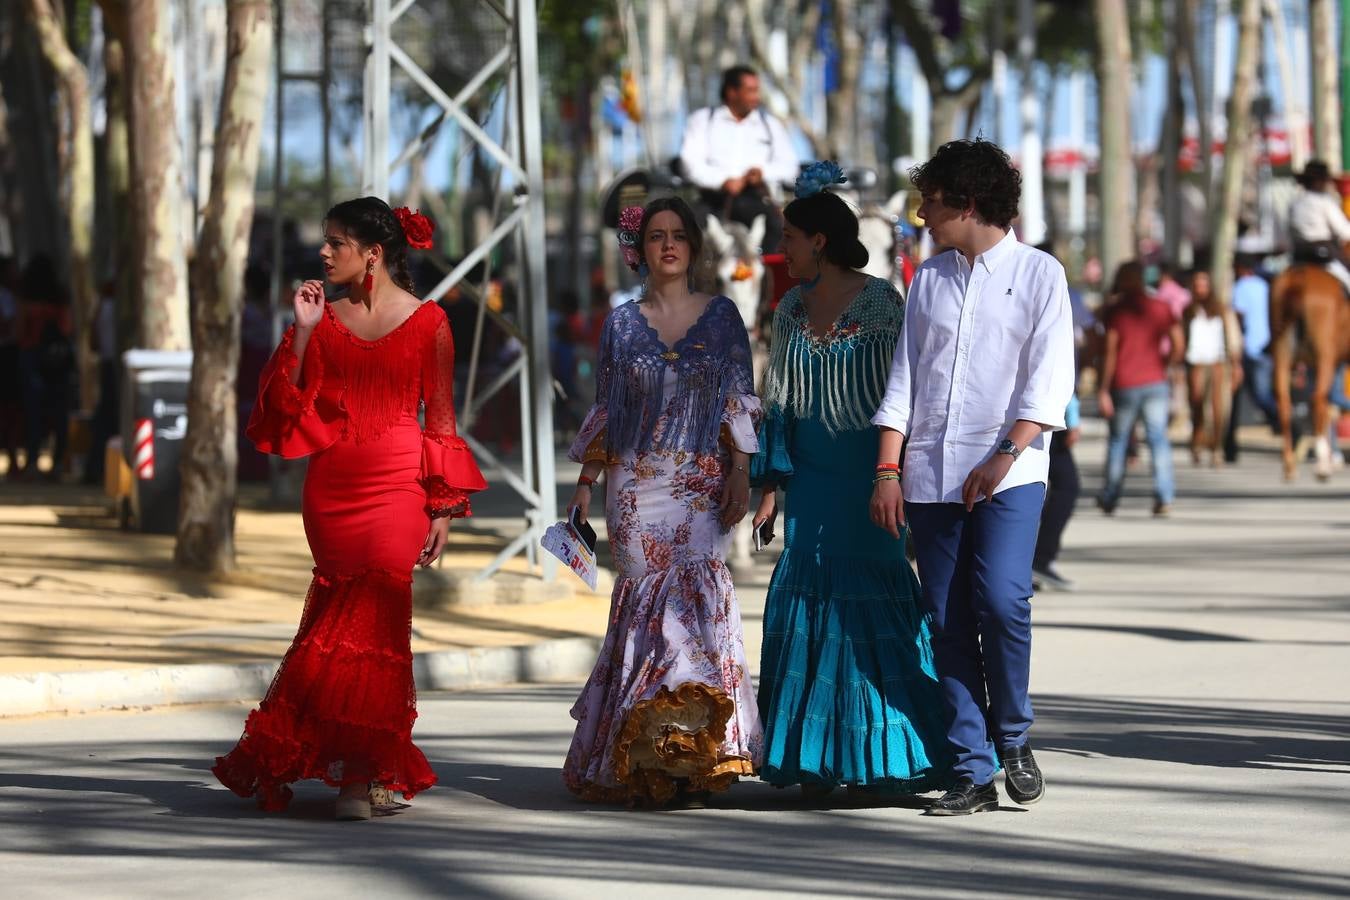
column 983, row 370
column 1251, row 302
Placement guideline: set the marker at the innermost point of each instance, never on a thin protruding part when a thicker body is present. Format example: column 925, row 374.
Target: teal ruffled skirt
column 847, row 690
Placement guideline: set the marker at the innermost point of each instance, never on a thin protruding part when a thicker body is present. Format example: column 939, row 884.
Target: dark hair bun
column 855, row 255
column 824, row 213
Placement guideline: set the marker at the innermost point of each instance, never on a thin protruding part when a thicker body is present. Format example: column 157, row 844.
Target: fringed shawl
column 839, row 379
column 711, row 363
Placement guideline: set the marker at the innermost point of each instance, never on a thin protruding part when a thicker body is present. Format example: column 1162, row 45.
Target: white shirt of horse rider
column 1315, row 217
column 717, row 147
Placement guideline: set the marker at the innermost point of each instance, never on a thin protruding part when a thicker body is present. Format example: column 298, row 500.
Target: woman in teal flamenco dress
column 847, row 691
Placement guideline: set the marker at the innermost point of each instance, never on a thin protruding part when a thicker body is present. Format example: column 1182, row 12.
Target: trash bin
column 154, row 423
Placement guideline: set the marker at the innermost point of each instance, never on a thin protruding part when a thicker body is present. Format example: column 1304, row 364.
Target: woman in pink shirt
column 1134, row 383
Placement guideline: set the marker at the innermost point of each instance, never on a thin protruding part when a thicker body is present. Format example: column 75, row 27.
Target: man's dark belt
column 1318, row 253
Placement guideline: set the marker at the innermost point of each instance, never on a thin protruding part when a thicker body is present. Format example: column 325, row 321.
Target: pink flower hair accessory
column 630, row 227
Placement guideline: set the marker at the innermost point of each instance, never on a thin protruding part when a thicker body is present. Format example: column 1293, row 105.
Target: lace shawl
column 711, row 362
column 840, row 378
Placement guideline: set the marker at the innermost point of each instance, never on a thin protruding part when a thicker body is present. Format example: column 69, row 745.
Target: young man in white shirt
column 737, row 154
column 983, row 371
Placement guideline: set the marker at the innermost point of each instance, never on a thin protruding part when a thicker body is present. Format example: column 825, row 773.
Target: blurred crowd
column 37, row 364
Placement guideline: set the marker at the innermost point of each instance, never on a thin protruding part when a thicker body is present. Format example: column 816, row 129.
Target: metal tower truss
column 519, row 190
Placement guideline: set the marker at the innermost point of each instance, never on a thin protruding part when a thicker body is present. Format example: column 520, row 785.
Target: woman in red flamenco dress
column 344, row 388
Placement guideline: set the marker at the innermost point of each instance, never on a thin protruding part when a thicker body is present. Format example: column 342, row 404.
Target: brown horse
column 1308, row 294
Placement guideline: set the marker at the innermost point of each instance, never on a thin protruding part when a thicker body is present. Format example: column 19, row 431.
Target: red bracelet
column 888, row 467
column 585, row 480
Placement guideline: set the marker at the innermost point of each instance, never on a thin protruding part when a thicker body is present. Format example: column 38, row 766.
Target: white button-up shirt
column 1316, row 216
column 717, row 146
column 981, row 348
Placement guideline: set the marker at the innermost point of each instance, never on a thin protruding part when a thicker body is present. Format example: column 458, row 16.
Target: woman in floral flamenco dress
column 344, row 388
column 668, row 714
column 847, row 690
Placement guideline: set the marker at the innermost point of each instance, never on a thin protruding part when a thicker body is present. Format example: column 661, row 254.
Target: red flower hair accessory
column 417, row 228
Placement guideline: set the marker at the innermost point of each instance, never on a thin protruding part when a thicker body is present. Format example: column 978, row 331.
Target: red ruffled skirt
column 342, row 706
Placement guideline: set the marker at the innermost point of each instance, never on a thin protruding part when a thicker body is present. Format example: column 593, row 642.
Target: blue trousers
column 975, row 575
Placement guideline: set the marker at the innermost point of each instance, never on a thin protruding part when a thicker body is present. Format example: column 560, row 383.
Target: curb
column 562, row 659
column 442, row 588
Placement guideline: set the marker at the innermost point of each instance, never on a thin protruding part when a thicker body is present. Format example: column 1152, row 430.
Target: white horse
column 876, row 230
column 740, row 271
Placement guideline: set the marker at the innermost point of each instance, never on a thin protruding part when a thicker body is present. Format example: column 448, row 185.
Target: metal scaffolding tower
column 520, row 196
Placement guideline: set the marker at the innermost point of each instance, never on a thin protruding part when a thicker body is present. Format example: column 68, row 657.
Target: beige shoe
column 353, row 803
column 381, row 797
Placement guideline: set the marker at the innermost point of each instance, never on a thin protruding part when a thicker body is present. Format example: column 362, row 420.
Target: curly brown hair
column 972, row 173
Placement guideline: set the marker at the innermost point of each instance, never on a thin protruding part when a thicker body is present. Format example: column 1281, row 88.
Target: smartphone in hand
column 764, row 533
column 583, row 529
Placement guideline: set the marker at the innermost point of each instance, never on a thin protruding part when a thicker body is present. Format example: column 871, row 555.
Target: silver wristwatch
column 1008, row 448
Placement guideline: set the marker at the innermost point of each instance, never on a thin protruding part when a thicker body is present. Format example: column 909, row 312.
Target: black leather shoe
column 965, row 799
column 1023, row 780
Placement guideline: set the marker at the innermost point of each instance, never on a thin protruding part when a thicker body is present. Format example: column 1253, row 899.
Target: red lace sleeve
column 294, row 421
column 449, row 473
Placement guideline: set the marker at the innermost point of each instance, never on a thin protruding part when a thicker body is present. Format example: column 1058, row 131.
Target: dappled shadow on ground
column 1184, row 635
column 1193, row 734
column 1217, row 559
column 178, row 817
column 501, row 811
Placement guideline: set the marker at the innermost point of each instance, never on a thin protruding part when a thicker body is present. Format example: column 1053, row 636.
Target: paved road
column 1194, row 723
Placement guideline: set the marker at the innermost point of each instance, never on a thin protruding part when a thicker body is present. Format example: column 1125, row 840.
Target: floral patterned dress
column 669, row 705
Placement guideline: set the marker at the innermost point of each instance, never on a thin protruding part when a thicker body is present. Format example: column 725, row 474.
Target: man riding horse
column 737, row 154
column 1309, row 310
column 1318, row 226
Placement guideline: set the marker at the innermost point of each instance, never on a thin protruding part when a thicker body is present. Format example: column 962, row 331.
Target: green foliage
column 1064, row 31
column 1065, row 36
column 576, row 36
column 79, row 24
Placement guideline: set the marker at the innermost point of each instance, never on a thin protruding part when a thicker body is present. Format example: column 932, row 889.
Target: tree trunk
column 119, row 222
column 33, row 192
column 77, row 183
column 1053, row 224
column 579, row 133
column 793, row 88
column 842, row 104
column 947, row 101
column 1174, row 117
column 1202, row 87
column 156, row 177
column 942, row 115
column 8, row 173
column 1326, row 94
column 1033, row 193
column 1113, row 111
column 1295, row 122
column 656, row 82
column 1237, row 148
column 206, row 516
